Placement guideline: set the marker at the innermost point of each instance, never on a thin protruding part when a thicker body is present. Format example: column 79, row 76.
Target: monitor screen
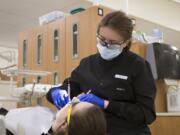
column 167, row 60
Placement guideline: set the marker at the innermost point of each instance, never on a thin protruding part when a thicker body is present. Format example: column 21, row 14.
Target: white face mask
column 109, row 53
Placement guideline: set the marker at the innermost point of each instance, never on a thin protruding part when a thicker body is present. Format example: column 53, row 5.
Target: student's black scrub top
column 126, row 82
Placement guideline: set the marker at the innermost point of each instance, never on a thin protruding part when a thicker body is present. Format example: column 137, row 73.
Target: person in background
column 119, row 81
column 79, row 119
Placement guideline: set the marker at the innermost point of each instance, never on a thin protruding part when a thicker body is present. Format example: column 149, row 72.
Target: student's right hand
column 60, row 97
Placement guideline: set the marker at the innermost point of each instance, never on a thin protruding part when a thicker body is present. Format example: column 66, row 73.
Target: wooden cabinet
column 166, row 125
column 81, row 35
column 24, row 56
column 78, row 39
column 59, row 46
column 39, row 53
column 56, row 53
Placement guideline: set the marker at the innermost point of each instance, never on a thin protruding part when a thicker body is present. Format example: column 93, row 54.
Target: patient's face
column 60, row 123
column 60, row 120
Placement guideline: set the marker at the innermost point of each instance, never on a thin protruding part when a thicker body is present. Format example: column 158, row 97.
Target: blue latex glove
column 91, row 98
column 60, row 97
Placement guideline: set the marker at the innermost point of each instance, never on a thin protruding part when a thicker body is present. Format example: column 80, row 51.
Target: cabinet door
column 56, row 52
column 39, row 53
column 24, row 56
column 24, row 48
column 166, row 125
column 78, row 39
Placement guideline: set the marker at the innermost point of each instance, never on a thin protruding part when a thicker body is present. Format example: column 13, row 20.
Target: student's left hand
column 91, row 98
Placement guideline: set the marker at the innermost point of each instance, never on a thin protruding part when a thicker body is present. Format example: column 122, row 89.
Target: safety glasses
column 110, row 43
column 69, row 114
column 71, row 104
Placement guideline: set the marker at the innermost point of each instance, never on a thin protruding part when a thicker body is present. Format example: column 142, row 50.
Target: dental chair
column 27, row 121
column 2, row 126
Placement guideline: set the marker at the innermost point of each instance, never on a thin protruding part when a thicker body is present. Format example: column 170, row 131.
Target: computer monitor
column 164, row 60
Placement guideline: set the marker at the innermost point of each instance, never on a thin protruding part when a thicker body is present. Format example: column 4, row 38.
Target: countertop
column 173, row 114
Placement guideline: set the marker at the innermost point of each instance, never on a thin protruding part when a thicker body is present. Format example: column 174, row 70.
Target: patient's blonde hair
column 90, row 121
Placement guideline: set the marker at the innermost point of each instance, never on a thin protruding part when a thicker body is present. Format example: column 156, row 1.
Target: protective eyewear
column 108, row 44
column 71, row 104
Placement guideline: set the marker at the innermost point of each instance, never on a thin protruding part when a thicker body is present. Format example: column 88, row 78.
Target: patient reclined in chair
column 72, row 117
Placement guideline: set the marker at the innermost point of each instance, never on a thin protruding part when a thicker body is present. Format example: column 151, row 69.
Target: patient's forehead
column 62, row 114
column 81, row 106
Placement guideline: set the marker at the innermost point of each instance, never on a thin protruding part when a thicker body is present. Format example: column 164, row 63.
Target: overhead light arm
column 9, row 56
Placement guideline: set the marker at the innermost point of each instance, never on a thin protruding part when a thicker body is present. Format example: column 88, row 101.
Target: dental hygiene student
column 121, row 82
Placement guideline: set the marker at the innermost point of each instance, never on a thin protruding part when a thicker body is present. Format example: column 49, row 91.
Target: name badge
column 121, row 76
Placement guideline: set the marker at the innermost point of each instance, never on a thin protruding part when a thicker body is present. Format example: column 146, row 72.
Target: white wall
column 163, row 12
